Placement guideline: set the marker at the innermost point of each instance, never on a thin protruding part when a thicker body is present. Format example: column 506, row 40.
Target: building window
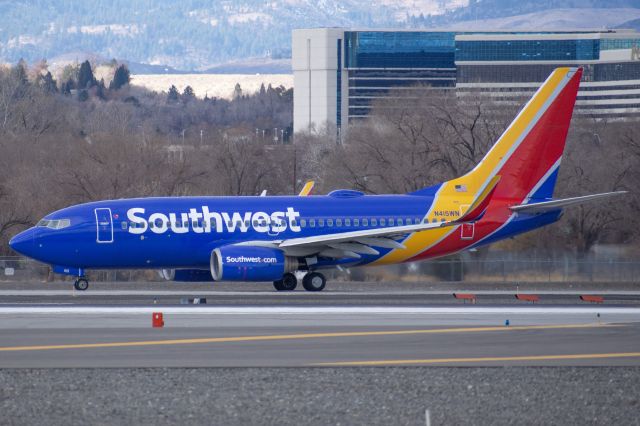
column 527, row 50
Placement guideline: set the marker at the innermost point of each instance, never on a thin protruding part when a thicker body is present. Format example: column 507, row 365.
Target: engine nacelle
column 250, row 263
column 187, row 275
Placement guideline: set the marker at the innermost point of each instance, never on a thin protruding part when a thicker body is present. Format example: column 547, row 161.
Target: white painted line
column 307, row 310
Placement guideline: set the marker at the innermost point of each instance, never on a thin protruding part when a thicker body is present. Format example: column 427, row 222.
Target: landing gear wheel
column 289, row 282
column 314, row 281
column 81, row 284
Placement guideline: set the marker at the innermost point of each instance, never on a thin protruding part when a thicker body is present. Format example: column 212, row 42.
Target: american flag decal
column 461, row 188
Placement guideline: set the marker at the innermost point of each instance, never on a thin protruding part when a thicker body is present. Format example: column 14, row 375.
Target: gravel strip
column 320, row 396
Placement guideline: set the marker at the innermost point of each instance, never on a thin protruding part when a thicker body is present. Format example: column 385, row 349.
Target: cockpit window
column 54, row 224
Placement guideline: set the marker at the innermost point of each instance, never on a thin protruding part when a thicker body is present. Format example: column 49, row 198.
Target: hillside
column 205, row 34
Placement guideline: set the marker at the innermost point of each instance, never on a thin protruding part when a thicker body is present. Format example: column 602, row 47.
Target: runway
column 350, row 324
column 275, row 336
column 336, row 340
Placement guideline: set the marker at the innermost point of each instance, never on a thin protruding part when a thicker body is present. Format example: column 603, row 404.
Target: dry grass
column 212, row 85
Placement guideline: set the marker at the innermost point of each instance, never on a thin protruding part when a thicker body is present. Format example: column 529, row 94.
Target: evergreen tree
column 68, row 86
column 47, row 83
column 101, row 89
column 85, row 76
column 188, row 94
column 237, row 91
column 173, row 95
column 20, row 71
column 121, row 78
column 83, row 95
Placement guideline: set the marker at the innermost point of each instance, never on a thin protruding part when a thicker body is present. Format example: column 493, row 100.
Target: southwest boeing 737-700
column 271, row 238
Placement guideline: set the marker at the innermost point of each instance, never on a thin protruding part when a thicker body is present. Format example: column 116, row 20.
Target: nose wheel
column 81, row 284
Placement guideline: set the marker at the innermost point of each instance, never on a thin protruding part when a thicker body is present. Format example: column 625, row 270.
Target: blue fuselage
column 181, row 232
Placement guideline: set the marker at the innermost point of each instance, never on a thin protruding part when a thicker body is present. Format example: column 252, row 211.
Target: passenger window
column 365, row 222
column 391, row 222
column 338, row 222
column 400, row 222
column 151, row 225
column 303, row 223
column 374, row 222
column 124, row 224
column 347, row 222
column 320, row 223
column 434, row 220
column 294, row 222
column 356, row 222
column 383, row 222
column 312, row 223
column 329, row 222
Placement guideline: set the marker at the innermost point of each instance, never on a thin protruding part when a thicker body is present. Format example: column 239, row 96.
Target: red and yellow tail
column 526, row 158
column 533, row 144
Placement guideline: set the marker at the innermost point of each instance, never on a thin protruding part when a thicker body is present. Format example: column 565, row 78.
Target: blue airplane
column 271, row 238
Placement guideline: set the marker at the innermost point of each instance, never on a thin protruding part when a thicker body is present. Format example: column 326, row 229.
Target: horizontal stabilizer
column 546, row 206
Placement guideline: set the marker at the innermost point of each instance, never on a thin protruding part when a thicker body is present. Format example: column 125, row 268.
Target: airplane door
column 467, row 230
column 104, row 225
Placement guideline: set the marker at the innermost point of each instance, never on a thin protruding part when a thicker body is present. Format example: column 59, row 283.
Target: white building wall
column 314, row 60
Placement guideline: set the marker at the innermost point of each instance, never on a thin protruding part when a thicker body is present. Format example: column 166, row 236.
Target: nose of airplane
column 23, row 243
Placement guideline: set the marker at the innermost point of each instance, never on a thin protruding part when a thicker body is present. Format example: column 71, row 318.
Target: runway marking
column 482, row 359
column 297, row 337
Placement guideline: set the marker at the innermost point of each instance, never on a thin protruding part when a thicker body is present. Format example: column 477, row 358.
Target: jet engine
column 250, row 263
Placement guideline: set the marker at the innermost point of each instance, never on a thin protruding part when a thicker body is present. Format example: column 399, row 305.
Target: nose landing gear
column 81, row 284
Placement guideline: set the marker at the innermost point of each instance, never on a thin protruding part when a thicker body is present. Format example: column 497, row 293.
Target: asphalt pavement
column 94, row 358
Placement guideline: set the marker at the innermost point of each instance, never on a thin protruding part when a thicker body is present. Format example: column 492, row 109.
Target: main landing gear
column 313, row 281
column 81, row 284
column 289, row 282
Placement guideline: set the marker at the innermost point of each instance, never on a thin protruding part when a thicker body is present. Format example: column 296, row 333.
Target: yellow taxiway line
column 477, row 360
column 296, row 337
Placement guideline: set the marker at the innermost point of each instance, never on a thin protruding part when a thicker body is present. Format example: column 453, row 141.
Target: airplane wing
column 307, row 188
column 546, row 206
column 347, row 244
column 352, row 244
